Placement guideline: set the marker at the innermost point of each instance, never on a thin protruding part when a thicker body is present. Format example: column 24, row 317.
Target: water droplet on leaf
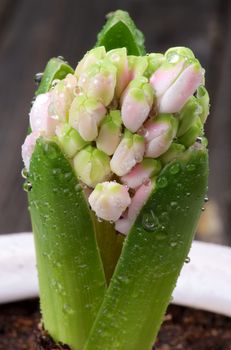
column 38, row 78
column 162, row 182
column 190, row 167
column 175, row 168
column 24, row 173
column 27, row 186
column 149, row 221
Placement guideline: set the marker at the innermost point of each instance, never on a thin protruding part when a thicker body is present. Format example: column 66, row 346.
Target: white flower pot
column 204, row 283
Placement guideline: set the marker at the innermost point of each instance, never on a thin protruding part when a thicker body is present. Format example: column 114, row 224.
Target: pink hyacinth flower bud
column 176, row 79
column 129, row 152
column 119, row 58
column 165, row 75
column 137, row 101
column 91, row 57
column 40, row 121
column 85, row 116
column 99, row 81
column 110, row 133
column 62, row 96
column 159, row 134
column 139, row 199
column 28, row 147
column 141, row 173
column 109, row 200
column 181, row 90
column 92, row 166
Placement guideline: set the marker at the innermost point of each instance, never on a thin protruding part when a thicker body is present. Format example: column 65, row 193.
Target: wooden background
column 32, row 31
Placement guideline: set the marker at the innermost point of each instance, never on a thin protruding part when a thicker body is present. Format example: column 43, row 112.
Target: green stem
column 71, row 277
column 152, row 257
column 110, row 244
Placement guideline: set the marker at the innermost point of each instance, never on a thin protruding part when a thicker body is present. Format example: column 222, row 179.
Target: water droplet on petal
column 187, row 260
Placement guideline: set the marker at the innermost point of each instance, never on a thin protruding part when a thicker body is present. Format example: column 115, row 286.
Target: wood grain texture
column 32, row 31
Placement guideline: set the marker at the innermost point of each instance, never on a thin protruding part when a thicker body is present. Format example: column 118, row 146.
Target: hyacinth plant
column 116, row 172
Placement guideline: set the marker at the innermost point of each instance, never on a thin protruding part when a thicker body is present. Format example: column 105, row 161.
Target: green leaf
column 55, row 69
column 120, row 31
column 152, row 257
column 71, row 277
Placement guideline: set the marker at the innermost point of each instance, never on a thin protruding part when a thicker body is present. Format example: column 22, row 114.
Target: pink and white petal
column 109, row 200
column 154, row 129
column 157, row 146
column 138, row 200
column 137, row 176
column 28, row 147
column 87, row 127
column 123, row 225
column 39, row 116
column 141, row 196
column 165, row 76
column 180, row 91
column 134, row 112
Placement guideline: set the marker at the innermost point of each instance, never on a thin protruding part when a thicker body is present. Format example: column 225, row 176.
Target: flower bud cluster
column 119, row 119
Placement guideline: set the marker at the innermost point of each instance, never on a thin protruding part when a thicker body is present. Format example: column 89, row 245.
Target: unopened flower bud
column 40, row 121
column 187, row 116
column 119, row 58
column 70, row 140
column 193, row 132
column 109, row 200
column 85, row 116
column 62, row 96
column 154, row 62
column 91, row 57
column 179, row 92
column 28, row 147
column 137, row 101
column 139, row 199
column 159, row 134
column 137, row 66
column 110, row 133
column 129, row 152
column 165, row 76
column 92, row 166
column 174, row 151
column 203, row 98
column 99, row 81
column 176, row 79
column 141, row 173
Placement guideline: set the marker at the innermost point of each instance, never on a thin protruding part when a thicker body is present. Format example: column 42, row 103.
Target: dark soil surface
column 183, row 329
